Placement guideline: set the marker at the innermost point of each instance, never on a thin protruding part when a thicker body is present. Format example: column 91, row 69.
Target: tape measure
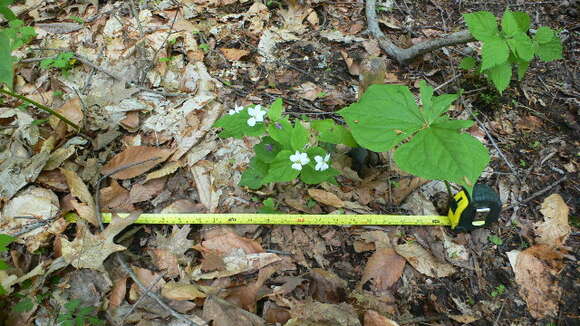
column 464, row 215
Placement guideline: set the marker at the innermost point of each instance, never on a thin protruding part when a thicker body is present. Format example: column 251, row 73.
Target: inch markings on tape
column 286, row 219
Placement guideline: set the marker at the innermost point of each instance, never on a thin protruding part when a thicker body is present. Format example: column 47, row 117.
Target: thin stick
column 539, row 193
column 146, row 294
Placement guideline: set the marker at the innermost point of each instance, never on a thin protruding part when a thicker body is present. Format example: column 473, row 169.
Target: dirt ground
column 223, row 53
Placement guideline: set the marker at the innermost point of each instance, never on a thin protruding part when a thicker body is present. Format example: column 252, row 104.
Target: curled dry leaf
column 89, row 250
column 144, row 158
column 383, row 269
column 86, row 207
column 423, row 261
column 209, row 195
column 555, row 229
column 326, row 198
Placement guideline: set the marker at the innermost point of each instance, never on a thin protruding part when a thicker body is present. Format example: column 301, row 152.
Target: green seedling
column 204, row 47
column 5, row 240
column 270, row 207
column 512, row 46
column 63, row 61
column 495, row 240
column 77, row 19
column 77, row 315
column 499, row 290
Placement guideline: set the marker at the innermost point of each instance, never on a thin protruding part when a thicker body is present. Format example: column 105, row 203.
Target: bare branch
column 403, row 56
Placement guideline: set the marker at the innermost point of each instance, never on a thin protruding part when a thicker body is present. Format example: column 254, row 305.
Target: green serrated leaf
column 522, row 46
column 330, row 132
column 281, row 131
column 455, row 157
column 280, row 169
column 494, row 53
column 383, row 117
column 440, row 105
column 467, row 63
column 23, row 305
column 6, row 61
column 5, row 240
column 7, row 13
column 299, row 137
column 522, row 68
column 236, row 126
column 544, row 35
column 254, row 175
column 269, row 207
column 267, row 149
column 276, row 109
column 515, row 22
column 482, row 25
column 549, row 51
column 500, row 76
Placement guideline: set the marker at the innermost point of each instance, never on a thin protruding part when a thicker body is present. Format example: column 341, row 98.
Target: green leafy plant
column 63, row 61
column 77, row 315
column 428, row 143
column 77, row 19
column 499, row 290
column 270, row 207
column 495, row 240
column 287, row 150
column 5, row 240
column 510, row 46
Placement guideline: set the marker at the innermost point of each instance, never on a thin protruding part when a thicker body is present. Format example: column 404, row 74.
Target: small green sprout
column 499, row 290
column 495, row 240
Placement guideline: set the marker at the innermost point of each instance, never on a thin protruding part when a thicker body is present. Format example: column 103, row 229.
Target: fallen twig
column 539, row 193
column 403, row 56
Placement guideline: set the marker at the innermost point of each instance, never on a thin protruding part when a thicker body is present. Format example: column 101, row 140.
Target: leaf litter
column 215, row 55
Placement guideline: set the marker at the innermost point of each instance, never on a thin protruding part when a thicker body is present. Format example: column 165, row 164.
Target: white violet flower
column 298, row 160
column 257, row 114
column 321, row 162
column 235, row 110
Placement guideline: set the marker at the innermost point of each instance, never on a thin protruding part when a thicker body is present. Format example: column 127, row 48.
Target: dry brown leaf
column 212, row 261
column 223, row 313
column 423, row 261
column 234, row 54
column 225, row 240
column 176, row 243
column 555, row 229
column 89, row 250
column 115, row 197
column 326, row 198
column 209, row 195
column 181, row 291
column 58, row 157
column 383, row 269
column 118, row 292
column 326, row 286
column 538, row 285
column 246, row 296
column 54, row 180
column 405, row 186
column 165, row 261
column 166, row 169
column 317, row 313
column 86, row 207
column 373, row 318
column 135, row 155
column 237, row 262
column 131, row 121
column 309, row 91
column 146, row 191
column 151, row 280
column 71, row 110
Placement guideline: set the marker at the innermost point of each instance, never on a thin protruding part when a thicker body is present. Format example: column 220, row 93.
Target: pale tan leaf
column 72, row 110
column 225, row 240
column 234, row 54
column 136, row 155
column 181, row 291
column 118, row 292
column 78, row 189
column 58, row 157
column 166, row 169
column 146, row 191
column 209, row 195
column 383, row 269
column 237, row 262
column 373, row 318
column 326, row 198
column 555, row 229
column 423, row 261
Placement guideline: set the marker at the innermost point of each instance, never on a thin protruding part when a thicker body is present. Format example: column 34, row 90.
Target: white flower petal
column 232, row 112
column 327, row 157
column 297, row 166
column 318, row 159
column 295, row 157
column 304, row 158
column 251, row 122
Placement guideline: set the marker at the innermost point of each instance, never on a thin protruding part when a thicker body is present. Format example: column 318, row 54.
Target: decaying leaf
column 89, row 250
column 373, row 318
column 225, row 240
column 86, row 207
column 237, row 262
column 555, row 229
column 423, row 261
column 326, row 286
column 326, row 198
column 136, row 155
column 223, row 313
column 72, row 110
column 234, row 54
column 181, row 291
column 316, row 313
column 118, row 292
column 209, row 195
column 383, row 269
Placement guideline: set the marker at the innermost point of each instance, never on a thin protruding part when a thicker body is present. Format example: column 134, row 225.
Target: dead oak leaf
column 89, row 250
column 86, row 207
column 423, row 261
column 144, row 158
column 383, row 269
column 326, row 198
column 555, row 229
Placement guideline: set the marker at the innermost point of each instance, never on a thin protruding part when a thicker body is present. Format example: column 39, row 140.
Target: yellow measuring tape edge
column 286, row 219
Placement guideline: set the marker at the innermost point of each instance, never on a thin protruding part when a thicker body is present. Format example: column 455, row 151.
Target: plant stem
column 42, row 107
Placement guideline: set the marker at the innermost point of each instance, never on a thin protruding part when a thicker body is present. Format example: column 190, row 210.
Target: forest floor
column 148, row 79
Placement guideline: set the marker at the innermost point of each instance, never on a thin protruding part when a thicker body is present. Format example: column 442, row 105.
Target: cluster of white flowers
column 256, row 113
column 299, row 159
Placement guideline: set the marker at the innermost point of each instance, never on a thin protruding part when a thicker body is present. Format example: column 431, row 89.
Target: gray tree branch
column 403, row 56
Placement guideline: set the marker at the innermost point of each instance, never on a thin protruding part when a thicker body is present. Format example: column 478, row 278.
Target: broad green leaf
column 2, row 290
column 23, row 305
column 276, row 109
column 72, row 305
column 3, row 265
column 500, row 76
column 445, row 123
column 269, row 207
column 313, row 177
column 236, row 126
column 5, row 240
column 280, row 169
column 299, row 137
column 7, row 13
column 522, row 68
column 330, row 132
column 494, row 53
column 281, row 131
column 515, row 22
column 522, row 46
column 6, row 61
column 549, row 51
column 467, row 63
column 426, row 95
column 267, row 149
column 482, row 25
column 443, row 154
column 544, row 35
column 254, row 175
column 384, row 116
column 433, row 106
